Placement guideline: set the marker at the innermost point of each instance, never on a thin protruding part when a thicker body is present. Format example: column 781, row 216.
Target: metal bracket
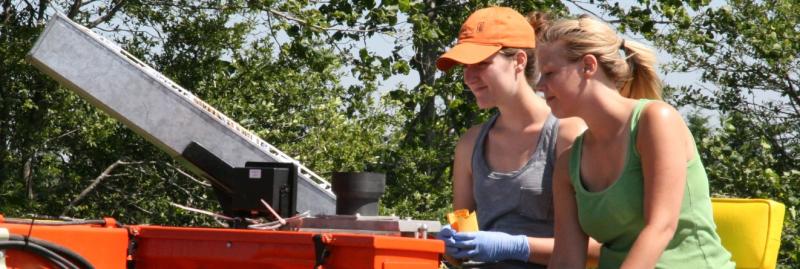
column 321, row 251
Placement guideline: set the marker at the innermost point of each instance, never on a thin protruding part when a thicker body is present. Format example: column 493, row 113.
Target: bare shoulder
column 467, row 141
column 662, row 129
column 568, row 130
column 660, row 114
column 660, row 122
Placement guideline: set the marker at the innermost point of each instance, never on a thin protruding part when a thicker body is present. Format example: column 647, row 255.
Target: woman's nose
column 540, row 86
column 469, row 74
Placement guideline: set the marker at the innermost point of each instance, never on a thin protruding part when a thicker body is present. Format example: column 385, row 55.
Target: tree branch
column 156, row 36
column 584, row 9
column 29, row 6
column 189, row 194
column 621, row 21
column 106, row 173
column 27, row 168
column 60, row 136
column 204, row 212
column 202, row 183
column 777, row 146
column 88, row 2
column 27, row 176
column 74, row 9
column 792, row 93
column 6, row 11
column 274, row 35
column 579, row 6
column 42, row 7
column 127, row 201
column 304, row 22
column 108, row 15
column 134, row 205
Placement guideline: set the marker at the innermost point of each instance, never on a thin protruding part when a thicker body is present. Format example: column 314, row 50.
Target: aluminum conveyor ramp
column 153, row 106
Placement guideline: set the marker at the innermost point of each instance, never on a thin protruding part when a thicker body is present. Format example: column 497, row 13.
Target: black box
column 275, row 183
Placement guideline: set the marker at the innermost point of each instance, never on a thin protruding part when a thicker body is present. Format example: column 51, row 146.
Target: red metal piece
column 173, row 247
column 104, row 246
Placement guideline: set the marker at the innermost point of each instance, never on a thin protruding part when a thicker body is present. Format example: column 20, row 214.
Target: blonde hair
column 635, row 74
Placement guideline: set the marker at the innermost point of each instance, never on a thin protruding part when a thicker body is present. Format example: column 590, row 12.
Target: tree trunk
column 425, row 63
column 27, row 175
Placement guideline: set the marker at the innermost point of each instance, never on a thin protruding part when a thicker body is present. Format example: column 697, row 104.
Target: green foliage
column 741, row 163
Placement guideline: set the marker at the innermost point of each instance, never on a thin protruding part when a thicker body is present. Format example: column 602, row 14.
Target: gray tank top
column 518, row 202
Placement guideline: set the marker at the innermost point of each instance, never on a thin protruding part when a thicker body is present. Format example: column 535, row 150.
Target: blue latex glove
column 491, row 246
column 446, row 235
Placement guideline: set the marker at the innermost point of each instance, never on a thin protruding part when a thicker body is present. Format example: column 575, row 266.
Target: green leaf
column 404, row 5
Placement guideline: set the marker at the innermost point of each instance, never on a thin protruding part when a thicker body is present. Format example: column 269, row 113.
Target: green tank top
column 615, row 215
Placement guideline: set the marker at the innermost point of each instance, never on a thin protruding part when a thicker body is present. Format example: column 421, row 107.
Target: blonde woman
column 633, row 180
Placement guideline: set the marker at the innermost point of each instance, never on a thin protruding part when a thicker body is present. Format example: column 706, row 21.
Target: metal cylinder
column 358, row 192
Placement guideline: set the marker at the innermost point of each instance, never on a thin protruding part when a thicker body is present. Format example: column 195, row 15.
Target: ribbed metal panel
column 155, row 107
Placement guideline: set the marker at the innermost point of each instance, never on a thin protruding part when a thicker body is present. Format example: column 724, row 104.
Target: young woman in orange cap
column 503, row 168
column 633, row 180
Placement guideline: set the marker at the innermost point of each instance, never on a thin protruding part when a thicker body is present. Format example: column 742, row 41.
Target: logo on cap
column 465, row 32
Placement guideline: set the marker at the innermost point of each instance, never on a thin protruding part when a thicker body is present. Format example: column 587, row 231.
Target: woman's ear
column 522, row 60
column 590, row 65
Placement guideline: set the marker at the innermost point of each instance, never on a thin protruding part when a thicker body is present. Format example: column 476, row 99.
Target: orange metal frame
column 106, row 246
column 173, row 247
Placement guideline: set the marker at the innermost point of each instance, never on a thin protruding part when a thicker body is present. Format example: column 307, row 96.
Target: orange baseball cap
column 484, row 33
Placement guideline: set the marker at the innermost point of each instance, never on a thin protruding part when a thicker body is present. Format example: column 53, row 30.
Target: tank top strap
column 575, row 161
column 546, row 148
column 478, row 148
column 637, row 112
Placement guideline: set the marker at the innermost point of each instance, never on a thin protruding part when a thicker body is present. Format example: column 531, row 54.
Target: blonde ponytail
column 643, row 81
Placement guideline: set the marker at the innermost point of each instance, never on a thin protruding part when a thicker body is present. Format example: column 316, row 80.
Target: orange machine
column 103, row 244
column 252, row 179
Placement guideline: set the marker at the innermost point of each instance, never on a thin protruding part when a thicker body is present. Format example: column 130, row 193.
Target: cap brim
column 465, row 53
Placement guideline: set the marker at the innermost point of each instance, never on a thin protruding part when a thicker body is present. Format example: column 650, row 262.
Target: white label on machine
column 255, row 173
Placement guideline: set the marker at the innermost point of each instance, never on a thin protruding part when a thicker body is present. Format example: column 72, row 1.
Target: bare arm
column 463, row 197
column 571, row 242
column 542, row 249
column 661, row 142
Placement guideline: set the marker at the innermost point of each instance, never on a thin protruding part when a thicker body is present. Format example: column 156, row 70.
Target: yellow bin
column 750, row 229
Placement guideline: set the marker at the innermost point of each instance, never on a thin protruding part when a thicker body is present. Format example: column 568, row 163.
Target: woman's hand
column 485, row 246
